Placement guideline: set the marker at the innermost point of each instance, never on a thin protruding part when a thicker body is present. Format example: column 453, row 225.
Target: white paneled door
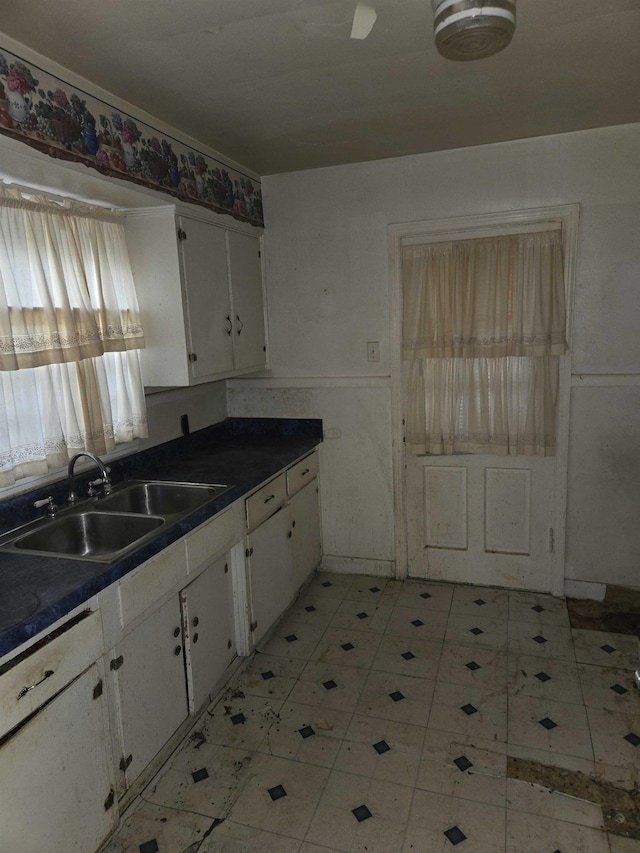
column 481, row 519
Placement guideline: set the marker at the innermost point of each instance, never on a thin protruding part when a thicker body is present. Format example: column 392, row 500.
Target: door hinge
column 98, row 690
column 193, row 356
column 111, row 798
column 182, row 235
column 125, row 762
column 253, row 625
column 552, row 540
column 116, row 663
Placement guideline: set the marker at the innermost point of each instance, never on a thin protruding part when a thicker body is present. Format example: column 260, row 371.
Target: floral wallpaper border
column 48, row 114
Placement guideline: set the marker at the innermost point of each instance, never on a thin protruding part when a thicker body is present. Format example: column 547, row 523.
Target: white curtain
column 70, row 335
column 483, row 328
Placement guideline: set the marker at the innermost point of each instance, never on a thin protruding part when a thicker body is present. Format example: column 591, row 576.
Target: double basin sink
column 105, row 528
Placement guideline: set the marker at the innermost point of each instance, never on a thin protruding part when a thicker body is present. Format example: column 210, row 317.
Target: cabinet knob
column 196, row 621
column 230, row 326
column 195, row 637
column 289, row 534
column 176, row 632
column 241, row 324
column 177, row 650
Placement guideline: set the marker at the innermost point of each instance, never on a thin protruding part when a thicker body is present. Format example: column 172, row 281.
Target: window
column 483, row 329
column 70, row 335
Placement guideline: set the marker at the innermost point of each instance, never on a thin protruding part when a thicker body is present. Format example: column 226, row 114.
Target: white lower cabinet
column 148, row 669
column 306, row 542
column 84, row 714
column 285, row 548
column 56, row 778
column 208, row 630
column 270, row 571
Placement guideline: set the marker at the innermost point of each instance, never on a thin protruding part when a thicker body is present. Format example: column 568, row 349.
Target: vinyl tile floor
column 395, row 716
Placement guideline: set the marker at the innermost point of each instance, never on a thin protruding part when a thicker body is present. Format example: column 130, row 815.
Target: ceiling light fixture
column 472, row 29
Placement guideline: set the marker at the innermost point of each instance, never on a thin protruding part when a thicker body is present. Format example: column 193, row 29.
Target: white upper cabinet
column 203, row 250
column 199, row 285
column 245, row 274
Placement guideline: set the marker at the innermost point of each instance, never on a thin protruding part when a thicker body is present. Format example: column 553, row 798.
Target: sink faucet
column 104, row 471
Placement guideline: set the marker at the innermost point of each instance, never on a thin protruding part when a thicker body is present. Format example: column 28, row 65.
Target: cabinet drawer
column 302, row 473
column 214, row 537
column 42, row 673
column 146, row 585
column 266, row 500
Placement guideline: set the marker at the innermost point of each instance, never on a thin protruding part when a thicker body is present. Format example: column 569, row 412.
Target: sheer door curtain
column 70, row 335
column 484, row 325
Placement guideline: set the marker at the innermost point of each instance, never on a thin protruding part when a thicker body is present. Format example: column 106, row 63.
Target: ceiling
column 278, row 85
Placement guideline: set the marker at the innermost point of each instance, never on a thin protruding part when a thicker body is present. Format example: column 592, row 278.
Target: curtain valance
column 66, row 288
column 485, row 298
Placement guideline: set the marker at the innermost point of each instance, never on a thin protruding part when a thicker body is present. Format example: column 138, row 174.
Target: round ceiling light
column 472, row 29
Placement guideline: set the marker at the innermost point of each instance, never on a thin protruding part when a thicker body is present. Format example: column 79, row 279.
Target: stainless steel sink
column 159, row 498
column 89, row 535
column 105, row 528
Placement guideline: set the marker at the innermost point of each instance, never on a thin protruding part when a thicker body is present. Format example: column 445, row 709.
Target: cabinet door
column 206, row 281
column 208, row 629
column 149, row 668
column 270, row 572
column 245, row 270
column 55, row 784
column 306, row 545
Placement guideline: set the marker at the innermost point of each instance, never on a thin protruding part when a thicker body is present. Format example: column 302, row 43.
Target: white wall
column 328, row 294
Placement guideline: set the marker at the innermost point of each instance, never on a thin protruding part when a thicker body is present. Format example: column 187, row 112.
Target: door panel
column 207, row 613
column 507, row 511
column 151, row 686
column 55, row 775
column 270, row 572
column 204, row 259
column 245, row 271
column 445, row 497
column 481, row 519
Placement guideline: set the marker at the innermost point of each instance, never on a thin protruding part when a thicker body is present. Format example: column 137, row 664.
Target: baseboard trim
column 585, row 589
column 358, row 566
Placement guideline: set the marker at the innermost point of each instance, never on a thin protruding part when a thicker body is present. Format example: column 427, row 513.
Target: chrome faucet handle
column 92, row 487
column 51, row 507
column 100, row 481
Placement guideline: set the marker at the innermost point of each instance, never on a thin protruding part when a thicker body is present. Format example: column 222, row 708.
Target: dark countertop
column 242, row 452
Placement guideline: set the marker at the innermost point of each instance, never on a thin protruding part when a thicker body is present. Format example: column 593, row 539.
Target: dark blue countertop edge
column 240, row 452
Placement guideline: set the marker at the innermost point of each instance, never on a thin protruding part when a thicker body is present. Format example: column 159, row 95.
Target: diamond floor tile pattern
column 382, row 716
